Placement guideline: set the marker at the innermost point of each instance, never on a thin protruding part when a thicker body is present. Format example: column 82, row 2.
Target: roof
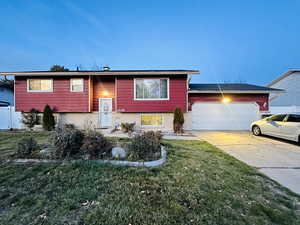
column 281, row 77
column 230, row 88
column 101, row 72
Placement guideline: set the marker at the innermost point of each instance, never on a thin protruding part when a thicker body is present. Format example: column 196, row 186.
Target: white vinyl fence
column 284, row 109
column 9, row 118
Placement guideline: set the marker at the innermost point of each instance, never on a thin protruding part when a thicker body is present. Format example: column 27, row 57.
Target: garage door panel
column 218, row 116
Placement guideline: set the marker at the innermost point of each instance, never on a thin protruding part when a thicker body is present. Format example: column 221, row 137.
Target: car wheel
column 256, row 130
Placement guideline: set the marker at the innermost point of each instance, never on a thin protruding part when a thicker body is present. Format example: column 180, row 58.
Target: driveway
column 276, row 158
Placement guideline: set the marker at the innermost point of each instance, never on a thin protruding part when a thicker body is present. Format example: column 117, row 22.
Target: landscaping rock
column 119, row 153
column 46, row 151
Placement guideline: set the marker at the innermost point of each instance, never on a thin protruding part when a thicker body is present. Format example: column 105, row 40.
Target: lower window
column 151, row 120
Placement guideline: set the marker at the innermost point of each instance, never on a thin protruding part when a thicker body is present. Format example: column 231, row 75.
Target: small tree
column 58, row 68
column 48, row 118
column 178, row 120
column 30, row 118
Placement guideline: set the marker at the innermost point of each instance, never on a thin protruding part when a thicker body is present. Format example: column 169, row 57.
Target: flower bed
column 152, row 163
column 74, row 145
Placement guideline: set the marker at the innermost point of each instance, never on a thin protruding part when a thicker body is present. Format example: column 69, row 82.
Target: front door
column 105, row 112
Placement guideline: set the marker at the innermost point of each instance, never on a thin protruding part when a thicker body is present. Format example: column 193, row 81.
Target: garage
column 227, row 106
column 219, row 116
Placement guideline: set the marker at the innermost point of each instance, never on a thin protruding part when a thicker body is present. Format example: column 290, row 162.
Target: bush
column 67, row 142
column 153, row 134
column 48, row 118
column 69, row 126
column 31, row 118
column 26, row 146
column 178, row 120
column 96, row 145
column 145, row 146
column 127, row 127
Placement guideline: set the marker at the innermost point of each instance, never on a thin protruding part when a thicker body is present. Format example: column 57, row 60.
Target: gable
column 291, row 84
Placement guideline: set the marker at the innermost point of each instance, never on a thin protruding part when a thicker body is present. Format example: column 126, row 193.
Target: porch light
column 226, row 100
column 105, row 93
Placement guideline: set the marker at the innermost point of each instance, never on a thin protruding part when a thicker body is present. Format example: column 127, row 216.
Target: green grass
column 198, row 185
column 8, row 141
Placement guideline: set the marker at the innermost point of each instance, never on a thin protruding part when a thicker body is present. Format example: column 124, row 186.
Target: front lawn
column 198, row 185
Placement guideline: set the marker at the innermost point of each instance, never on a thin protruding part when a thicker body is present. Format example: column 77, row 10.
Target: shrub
column 178, row 120
column 31, row 118
column 67, row 142
column 127, row 127
column 96, row 145
column 26, row 146
column 145, row 146
column 153, row 134
column 48, row 118
column 69, row 126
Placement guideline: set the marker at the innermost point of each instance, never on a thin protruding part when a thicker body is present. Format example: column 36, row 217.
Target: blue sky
column 228, row 41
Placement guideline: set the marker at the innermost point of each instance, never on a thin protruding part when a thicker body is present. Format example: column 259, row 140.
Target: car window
column 277, row 117
column 293, row 118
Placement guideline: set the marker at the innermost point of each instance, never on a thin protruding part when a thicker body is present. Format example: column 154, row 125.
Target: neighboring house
column 6, row 93
column 290, row 100
column 145, row 97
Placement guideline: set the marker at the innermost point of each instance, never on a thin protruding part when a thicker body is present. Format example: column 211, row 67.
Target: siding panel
column 261, row 99
column 61, row 99
column 103, row 87
column 177, row 96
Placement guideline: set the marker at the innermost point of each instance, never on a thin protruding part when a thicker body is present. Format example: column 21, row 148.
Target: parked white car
column 286, row 126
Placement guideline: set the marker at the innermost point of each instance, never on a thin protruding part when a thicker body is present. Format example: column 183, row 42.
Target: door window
column 277, row 118
column 294, row 118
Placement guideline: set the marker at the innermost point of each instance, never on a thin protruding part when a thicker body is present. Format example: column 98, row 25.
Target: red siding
column 103, row 87
column 61, row 99
column 261, row 99
column 177, row 96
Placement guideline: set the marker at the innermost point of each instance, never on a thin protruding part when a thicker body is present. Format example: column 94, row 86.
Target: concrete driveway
column 276, row 158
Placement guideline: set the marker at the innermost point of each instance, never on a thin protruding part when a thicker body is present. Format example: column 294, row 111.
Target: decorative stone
column 46, row 151
column 119, row 153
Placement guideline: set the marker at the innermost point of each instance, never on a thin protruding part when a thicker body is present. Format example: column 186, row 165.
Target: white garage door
column 219, row 116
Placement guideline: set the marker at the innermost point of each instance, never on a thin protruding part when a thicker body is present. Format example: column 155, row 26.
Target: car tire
column 256, row 130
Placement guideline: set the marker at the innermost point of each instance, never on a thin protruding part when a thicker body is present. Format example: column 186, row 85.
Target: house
column 288, row 101
column 6, row 93
column 146, row 97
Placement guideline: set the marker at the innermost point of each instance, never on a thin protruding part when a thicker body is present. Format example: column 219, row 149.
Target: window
column 293, row 118
column 40, row 85
column 151, row 89
column 151, row 120
column 77, row 85
column 278, row 118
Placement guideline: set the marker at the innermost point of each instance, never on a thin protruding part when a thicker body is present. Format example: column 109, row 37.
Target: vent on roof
column 106, row 68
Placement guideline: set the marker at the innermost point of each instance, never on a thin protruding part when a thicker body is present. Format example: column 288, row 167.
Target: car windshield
column 279, row 117
column 294, row 118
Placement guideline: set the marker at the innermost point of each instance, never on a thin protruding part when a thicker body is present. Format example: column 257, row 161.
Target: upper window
column 151, row 89
column 40, row 85
column 77, row 85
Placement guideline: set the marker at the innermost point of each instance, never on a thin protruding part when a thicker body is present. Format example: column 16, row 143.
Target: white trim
column 89, row 89
column 111, row 72
column 152, row 126
column 77, row 79
column 282, row 76
column 152, row 99
column 15, row 93
column 51, row 79
column 116, row 93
